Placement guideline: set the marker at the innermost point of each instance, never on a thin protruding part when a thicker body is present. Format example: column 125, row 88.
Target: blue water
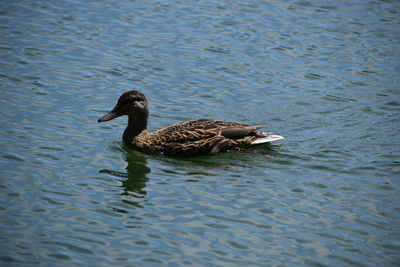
column 324, row 74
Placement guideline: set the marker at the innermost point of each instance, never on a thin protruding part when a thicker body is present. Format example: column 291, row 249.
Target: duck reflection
column 135, row 178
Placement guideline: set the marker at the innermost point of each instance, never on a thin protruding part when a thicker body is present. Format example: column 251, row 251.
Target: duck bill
column 109, row 116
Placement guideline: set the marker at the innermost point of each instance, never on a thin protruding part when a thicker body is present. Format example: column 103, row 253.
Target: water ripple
column 324, row 75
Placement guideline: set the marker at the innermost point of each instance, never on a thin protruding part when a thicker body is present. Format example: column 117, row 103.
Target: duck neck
column 137, row 123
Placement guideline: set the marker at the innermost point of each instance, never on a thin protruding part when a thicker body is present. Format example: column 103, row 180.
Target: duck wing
column 204, row 128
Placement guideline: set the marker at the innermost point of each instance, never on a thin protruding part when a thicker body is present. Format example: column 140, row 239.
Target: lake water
column 324, row 74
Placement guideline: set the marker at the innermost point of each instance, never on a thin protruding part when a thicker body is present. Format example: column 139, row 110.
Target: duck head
column 132, row 103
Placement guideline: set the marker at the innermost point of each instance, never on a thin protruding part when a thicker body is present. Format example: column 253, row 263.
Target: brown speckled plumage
column 193, row 137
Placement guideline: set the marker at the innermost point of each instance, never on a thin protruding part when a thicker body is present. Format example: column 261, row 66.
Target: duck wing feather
column 204, row 128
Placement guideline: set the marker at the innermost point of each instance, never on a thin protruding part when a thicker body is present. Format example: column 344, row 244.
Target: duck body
column 194, row 137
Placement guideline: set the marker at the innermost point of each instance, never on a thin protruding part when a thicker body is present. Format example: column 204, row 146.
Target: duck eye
column 125, row 101
column 130, row 99
column 135, row 99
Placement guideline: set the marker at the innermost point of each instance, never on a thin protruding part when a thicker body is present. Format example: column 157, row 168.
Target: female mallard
column 193, row 137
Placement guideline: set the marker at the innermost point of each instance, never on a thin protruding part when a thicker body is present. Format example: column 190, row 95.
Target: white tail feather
column 268, row 138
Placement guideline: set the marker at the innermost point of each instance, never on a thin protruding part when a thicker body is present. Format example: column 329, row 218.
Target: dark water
column 325, row 74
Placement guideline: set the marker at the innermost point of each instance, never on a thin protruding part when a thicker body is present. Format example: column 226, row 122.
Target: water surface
column 324, row 74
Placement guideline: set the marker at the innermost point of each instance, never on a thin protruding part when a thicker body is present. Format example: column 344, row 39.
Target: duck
column 190, row 138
